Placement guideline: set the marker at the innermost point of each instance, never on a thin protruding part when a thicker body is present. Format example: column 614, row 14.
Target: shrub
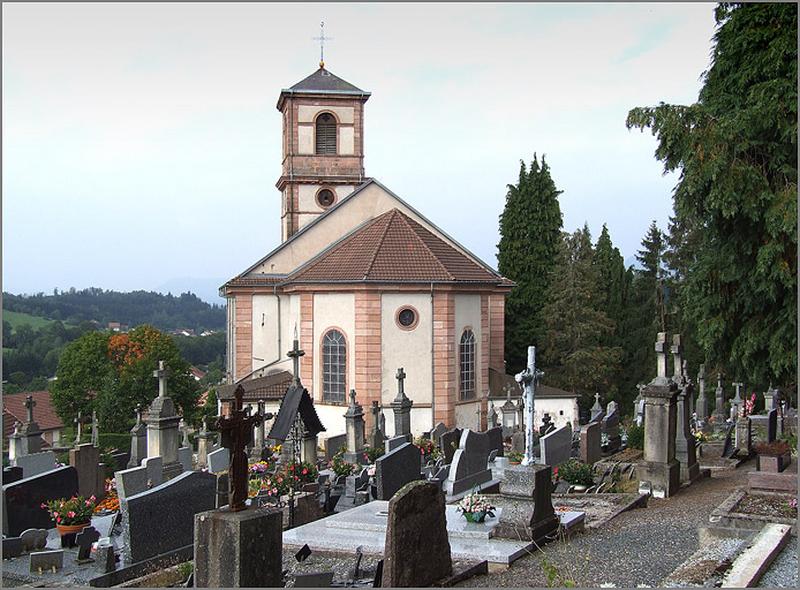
column 373, row 454
column 576, row 473
column 114, row 440
column 773, row 449
column 636, row 437
column 340, row 466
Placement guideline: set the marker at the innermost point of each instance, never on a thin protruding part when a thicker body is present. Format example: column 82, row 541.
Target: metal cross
column 30, row 403
column 295, row 355
column 322, row 38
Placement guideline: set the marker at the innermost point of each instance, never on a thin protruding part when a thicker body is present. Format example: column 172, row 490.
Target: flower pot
column 68, row 533
column 475, row 517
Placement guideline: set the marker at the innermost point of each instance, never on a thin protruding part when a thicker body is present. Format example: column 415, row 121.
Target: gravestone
column 395, row 442
column 104, row 559
column 401, row 407
column 84, row 541
column 496, row 440
column 395, row 469
column 238, row 549
column 596, row 410
column 701, row 406
column 590, row 443
column 556, row 447
column 36, row 463
column 509, row 415
column 772, row 425
column 376, row 437
column 547, row 425
column 12, row 474
column 161, row 520
column 437, row 432
column 219, row 460
column 27, row 437
column 139, row 479
column 12, row 547
column 333, row 444
column 727, row 445
column 23, row 499
column 610, row 423
column 518, row 442
column 205, row 445
column 448, row 443
column 521, row 521
column 354, row 430
column 744, row 436
column 138, row 440
column 417, row 548
column 185, row 458
column 685, row 451
column 33, row 539
column 162, row 420
column 493, row 419
column 120, row 460
column 469, row 467
column 46, row 561
column 91, row 473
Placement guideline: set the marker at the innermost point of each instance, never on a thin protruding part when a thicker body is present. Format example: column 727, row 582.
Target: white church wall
column 334, row 310
column 410, row 349
column 305, row 139
column 468, row 415
column 265, row 330
column 347, row 141
column 332, row 418
column 562, row 410
column 308, row 113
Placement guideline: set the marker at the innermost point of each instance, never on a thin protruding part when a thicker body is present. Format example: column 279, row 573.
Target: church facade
column 364, row 281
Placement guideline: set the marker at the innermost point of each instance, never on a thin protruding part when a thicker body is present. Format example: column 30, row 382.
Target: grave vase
column 475, row 517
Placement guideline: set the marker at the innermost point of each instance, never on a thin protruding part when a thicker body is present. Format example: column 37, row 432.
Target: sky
column 141, row 143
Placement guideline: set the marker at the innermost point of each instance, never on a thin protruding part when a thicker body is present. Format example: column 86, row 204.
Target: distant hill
column 17, row 319
column 165, row 312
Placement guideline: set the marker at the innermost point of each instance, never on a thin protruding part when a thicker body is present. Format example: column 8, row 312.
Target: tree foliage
column 530, row 228
column 736, row 201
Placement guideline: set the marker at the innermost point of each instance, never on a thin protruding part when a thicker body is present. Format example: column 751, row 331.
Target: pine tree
column 530, row 228
column 574, row 352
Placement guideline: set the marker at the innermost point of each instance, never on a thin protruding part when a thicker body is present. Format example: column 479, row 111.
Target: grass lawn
column 17, row 319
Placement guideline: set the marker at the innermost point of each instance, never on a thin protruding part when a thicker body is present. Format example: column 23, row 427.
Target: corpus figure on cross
column 237, row 433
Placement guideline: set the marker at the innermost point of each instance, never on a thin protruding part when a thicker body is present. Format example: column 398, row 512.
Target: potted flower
column 514, row 457
column 71, row 516
column 475, row 508
column 773, row 457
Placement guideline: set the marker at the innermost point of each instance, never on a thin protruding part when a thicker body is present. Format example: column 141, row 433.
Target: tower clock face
column 325, row 198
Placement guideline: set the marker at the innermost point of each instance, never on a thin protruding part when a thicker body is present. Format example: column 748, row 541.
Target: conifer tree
column 530, row 228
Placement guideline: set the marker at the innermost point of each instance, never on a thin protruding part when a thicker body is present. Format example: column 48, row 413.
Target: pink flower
column 55, row 514
column 58, row 520
column 88, row 503
column 71, row 514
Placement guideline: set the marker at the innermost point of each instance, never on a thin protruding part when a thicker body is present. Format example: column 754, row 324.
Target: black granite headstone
column 728, row 448
column 496, row 440
column 12, row 547
column 11, row 474
column 24, row 498
column 772, row 425
column 448, row 443
column 395, row 469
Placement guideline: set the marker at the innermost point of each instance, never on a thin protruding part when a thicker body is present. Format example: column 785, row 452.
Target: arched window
column 334, row 366
column 326, row 134
column 466, row 355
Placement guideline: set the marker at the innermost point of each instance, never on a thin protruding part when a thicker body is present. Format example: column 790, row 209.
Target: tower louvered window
column 334, row 366
column 467, row 364
column 326, row 134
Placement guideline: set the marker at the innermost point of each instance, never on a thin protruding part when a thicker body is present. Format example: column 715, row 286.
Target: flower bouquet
column 71, row 516
column 475, row 508
column 111, row 501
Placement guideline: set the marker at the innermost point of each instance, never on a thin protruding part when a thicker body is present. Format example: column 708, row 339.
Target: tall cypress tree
column 530, row 232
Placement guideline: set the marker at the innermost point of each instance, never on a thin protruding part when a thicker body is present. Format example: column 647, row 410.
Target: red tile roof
column 271, row 387
column 43, row 412
column 393, row 248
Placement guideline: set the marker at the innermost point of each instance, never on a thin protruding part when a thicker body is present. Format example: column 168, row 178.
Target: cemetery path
column 638, row 547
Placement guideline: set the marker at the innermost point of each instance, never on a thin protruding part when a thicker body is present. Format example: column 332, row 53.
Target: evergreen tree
column 530, row 228
column 736, row 149
column 575, row 351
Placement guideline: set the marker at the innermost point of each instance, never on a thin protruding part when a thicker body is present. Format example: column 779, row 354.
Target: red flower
column 305, row 471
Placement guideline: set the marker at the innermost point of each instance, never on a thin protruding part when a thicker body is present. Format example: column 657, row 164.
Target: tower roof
column 323, row 82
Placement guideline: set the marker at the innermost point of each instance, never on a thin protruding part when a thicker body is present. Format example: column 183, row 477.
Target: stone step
column 754, row 561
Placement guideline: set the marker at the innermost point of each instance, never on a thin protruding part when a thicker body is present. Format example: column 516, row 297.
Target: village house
column 50, row 424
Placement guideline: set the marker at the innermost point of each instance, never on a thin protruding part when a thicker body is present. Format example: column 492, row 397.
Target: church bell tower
column 323, row 147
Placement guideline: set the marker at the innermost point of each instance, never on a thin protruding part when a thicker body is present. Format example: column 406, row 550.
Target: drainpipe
column 433, row 367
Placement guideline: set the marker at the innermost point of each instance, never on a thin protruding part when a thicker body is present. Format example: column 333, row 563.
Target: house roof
column 324, row 81
column 270, row 387
column 44, row 413
column 392, row 248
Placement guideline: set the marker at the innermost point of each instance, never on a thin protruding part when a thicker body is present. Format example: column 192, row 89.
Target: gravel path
column 783, row 571
column 640, row 546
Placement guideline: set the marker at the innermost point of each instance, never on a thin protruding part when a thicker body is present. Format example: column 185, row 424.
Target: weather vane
column 322, row 38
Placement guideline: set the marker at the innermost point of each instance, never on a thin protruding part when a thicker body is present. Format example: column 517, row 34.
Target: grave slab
column 23, row 499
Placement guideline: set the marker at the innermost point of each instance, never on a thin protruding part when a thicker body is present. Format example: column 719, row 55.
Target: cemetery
column 253, row 508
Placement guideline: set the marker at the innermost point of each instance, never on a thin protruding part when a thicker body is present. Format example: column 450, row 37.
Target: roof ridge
column 406, row 219
column 379, row 245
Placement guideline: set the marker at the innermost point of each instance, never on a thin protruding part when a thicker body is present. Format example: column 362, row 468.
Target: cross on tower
column 161, row 373
column 322, row 38
column 295, row 355
column 30, row 403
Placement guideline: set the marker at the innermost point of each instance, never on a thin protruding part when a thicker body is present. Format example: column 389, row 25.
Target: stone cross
column 185, row 430
column 95, row 430
column 161, row 374
column 528, row 378
column 375, row 411
column 237, row 433
column 492, row 418
column 84, row 540
column 30, row 403
column 401, row 377
column 677, row 358
column 78, row 425
column 661, row 357
column 295, row 355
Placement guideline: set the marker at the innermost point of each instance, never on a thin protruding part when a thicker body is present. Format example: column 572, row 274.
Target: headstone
column 685, row 452
column 12, row 547
column 610, row 424
column 36, row 463
column 161, row 520
column 659, row 472
column 95, row 429
column 395, row 442
column 139, row 479
column 744, row 436
column 772, row 398
column 314, row 580
column 772, row 425
column 105, row 559
column 417, row 548
column 448, row 443
column 469, row 467
column 590, row 443
column 238, row 549
column 91, row 473
column 737, row 402
column 46, row 561
column 719, row 408
column 596, row 410
column 437, row 432
column 509, row 414
column 638, row 406
column 84, row 541
column 518, row 442
column 528, row 380
column 354, row 430
column 377, row 435
column 29, row 435
column 519, row 521
column 12, row 474
column 556, row 447
column 547, row 425
column 219, row 460
column 401, row 406
column 162, row 426
column 23, row 499
column 205, row 444
column 701, row 406
column 33, row 539
column 727, row 446
column 333, row 444
column 185, row 458
column 138, row 440
column 493, row 419
column 395, row 469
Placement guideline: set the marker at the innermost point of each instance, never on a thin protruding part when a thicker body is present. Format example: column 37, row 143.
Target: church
column 364, row 281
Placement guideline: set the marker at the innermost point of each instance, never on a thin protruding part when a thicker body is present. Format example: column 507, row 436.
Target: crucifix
column 161, row 373
column 237, row 433
column 30, row 403
column 528, row 378
column 295, row 355
column 401, row 377
column 322, row 38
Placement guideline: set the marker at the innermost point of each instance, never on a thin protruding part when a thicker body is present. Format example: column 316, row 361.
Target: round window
column 407, row 318
column 325, row 197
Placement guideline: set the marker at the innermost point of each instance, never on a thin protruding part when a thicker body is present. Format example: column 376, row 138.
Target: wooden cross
column 322, row 38
column 161, row 373
column 30, row 403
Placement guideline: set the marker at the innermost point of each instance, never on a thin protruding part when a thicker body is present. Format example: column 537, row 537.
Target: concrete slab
column 747, row 569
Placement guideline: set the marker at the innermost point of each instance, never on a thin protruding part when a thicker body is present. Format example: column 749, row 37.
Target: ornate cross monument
column 163, row 437
column 354, row 427
column 737, row 401
column 401, row 407
column 138, row 440
column 377, row 437
column 685, row 451
column 597, row 412
column 719, row 409
column 28, row 438
column 529, row 378
column 701, row 407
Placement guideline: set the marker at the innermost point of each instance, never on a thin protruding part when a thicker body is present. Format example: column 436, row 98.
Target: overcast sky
column 142, row 144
